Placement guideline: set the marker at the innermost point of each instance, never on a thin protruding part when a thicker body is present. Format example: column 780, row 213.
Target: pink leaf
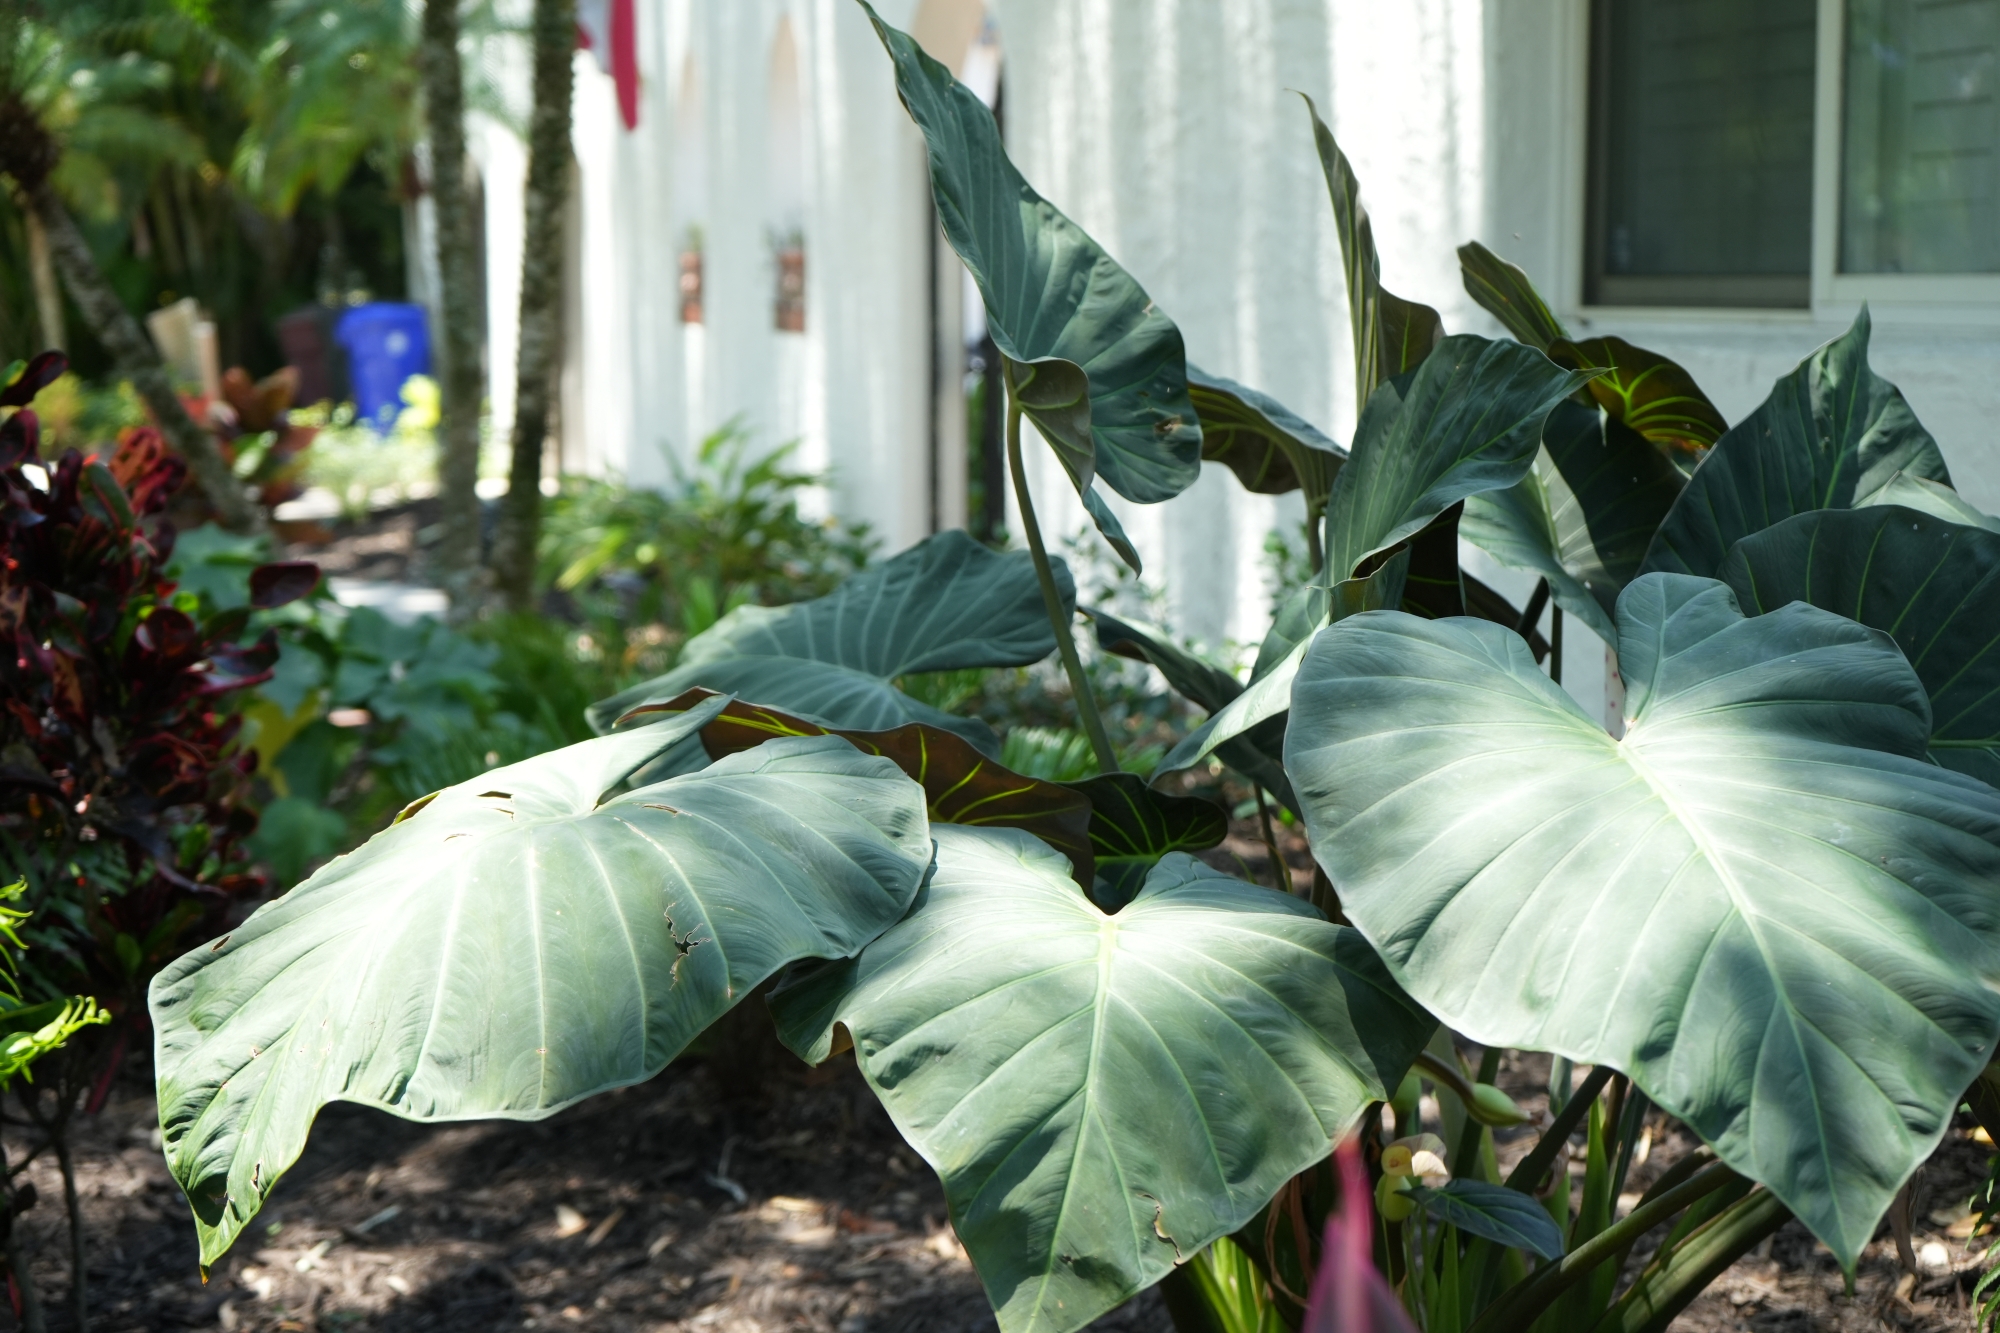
column 1348, row 1294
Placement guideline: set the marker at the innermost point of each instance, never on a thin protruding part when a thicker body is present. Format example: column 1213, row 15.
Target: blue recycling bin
column 386, row 343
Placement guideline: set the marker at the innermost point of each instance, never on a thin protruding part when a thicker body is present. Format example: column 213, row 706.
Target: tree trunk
column 541, row 299
column 48, row 295
column 460, row 380
column 139, row 362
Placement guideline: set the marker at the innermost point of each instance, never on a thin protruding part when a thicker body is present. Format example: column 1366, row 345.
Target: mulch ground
column 741, row 1192
column 667, row 1206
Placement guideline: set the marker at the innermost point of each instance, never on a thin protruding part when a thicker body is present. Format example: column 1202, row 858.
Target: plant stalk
column 79, row 1266
column 1663, row 1291
column 1059, row 621
column 1520, row 1307
column 1281, row 874
column 1527, row 1177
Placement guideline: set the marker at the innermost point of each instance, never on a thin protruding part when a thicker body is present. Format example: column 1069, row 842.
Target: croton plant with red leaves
column 124, row 799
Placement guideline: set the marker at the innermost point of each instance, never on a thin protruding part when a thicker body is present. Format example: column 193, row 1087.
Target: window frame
column 1971, row 298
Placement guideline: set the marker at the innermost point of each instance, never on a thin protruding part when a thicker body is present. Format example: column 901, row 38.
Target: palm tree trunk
column 138, row 361
column 48, row 295
column 541, row 299
column 460, row 379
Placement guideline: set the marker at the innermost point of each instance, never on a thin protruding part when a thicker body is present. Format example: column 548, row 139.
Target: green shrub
column 648, row 568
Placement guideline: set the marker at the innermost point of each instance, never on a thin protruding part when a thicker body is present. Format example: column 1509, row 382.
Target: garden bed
column 624, row 1213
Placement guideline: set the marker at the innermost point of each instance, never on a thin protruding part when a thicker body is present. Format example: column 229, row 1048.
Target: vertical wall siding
column 1172, row 133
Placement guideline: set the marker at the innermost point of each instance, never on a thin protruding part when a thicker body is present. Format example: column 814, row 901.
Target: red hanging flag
column 609, row 29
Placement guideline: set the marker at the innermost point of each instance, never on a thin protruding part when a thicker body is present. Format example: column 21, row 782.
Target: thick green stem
column 1059, row 619
column 1664, row 1290
column 1281, row 874
column 1528, row 1175
column 1520, row 1308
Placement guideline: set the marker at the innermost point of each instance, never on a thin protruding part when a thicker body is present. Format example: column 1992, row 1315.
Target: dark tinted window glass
column 1920, row 185
column 1701, row 152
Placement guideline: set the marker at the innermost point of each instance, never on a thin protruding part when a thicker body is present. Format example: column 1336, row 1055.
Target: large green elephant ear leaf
column 1104, row 1095
column 1133, row 828
column 1583, row 517
column 1469, row 419
column 1270, row 448
column 1933, row 585
column 1763, row 903
column 1647, row 393
column 1505, row 292
column 1933, row 498
column 521, row 941
column 961, row 785
column 1056, row 303
column 1831, row 434
column 1391, row 335
column 1518, row 527
column 945, row 604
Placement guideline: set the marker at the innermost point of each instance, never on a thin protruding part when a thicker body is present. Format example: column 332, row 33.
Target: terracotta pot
column 690, row 286
column 790, row 313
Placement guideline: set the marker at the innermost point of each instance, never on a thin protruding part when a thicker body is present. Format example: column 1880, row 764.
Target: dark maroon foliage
column 282, row 581
column 123, row 797
column 39, row 373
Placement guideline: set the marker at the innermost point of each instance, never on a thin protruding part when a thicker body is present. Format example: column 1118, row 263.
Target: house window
column 1702, row 152
column 1919, row 192
column 1782, row 152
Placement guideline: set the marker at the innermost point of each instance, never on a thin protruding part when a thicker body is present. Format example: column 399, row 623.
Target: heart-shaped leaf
column 1133, row 827
column 1103, row 1095
column 945, row 604
column 521, row 941
column 1933, row 585
column 1506, row 1217
column 1831, row 434
column 1645, row 392
column 1469, row 419
column 1391, row 335
column 1504, row 291
column 1763, row 903
column 1270, row 448
column 961, row 785
column 1057, row 304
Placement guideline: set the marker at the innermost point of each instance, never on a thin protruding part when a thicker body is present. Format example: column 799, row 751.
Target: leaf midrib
column 1631, row 750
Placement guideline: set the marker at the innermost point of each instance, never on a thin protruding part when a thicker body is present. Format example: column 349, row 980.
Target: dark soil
column 677, row 1206
column 389, row 544
column 661, row 1208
